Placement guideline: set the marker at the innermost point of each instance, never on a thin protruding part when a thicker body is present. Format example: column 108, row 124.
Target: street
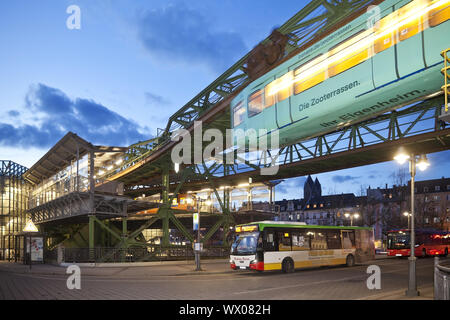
column 139, row 283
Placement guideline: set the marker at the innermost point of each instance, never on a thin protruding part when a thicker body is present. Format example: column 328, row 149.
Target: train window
column 352, row 51
column 347, row 42
column 238, row 114
column 412, row 26
column 349, row 61
column 383, row 39
column 284, row 86
column 439, row 15
column 255, row 103
column 269, row 98
column 303, row 83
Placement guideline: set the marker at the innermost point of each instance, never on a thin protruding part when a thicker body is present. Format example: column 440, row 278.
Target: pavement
column 154, row 270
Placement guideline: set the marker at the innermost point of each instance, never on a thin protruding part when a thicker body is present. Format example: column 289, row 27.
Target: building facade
column 13, row 207
column 317, row 209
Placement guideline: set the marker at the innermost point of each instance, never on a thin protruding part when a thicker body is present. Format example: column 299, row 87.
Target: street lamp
column 407, row 214
column 29, row 229
column 197, row 246
column 351, row 216
column 422, row 163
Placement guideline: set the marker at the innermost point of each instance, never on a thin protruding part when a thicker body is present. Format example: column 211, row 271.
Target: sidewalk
column 126, row 270
column 426, row 293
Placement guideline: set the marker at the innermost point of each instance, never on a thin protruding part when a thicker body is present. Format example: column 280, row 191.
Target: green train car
column 359, row 71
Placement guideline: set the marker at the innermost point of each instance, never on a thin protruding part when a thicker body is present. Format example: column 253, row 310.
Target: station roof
column 61, row 154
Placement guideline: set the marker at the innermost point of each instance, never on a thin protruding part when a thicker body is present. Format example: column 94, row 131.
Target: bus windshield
column 245, row 243
column 398, row 240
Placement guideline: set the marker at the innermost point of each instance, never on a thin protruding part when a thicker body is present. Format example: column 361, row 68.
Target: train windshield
column 398, row 240
column 245, row 243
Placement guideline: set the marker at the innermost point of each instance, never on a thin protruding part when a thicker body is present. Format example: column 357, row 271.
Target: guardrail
column 441, row 279
column 149, row 253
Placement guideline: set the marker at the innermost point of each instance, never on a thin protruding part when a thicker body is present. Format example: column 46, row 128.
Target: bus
column 428, row 242
column 286, row 246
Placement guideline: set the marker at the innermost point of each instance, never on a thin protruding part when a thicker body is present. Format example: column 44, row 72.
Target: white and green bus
column 277, row 245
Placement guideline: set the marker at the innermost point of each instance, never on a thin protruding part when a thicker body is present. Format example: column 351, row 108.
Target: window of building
column 255, row 103
column 448, row 187
column 425, row 189
column 437, row 188
column 238, row 114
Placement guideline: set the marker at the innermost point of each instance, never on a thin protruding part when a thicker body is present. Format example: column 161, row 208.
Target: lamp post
column 422, row 163
column 351, row 216
column 29, row 229
column 407, row 214
column 197, row 246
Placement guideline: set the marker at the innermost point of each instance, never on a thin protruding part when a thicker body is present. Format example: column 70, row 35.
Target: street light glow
column 423, row 163
column 401, row 157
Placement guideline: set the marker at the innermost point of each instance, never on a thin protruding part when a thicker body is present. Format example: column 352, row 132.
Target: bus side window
column 284, row 241
column 300, row 241
column 348, row 240
column 333, row 239
column 318, row 240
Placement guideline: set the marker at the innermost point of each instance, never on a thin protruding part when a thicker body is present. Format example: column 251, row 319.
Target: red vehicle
column 427, row 243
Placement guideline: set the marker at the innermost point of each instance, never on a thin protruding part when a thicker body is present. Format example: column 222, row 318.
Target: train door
column 409, row 38
column 283, row 87
column 270, row 116
column 383, row 61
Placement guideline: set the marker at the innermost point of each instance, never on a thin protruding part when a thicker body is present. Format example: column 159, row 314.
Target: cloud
column 13, row 113
column 341, row 179
column 152, row 99
column 180, row 33
column 56, row 114
column 291, row 186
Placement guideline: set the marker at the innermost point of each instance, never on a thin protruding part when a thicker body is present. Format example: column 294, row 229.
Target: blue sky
column 130, row 66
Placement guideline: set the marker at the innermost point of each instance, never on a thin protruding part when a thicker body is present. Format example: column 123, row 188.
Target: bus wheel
column 287, row 266
column 350, row 260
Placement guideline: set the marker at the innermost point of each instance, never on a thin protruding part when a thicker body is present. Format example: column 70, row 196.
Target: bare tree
column 400, row 177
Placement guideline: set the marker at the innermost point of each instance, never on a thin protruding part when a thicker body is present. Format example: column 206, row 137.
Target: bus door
column 348, row 239
column 269, row 241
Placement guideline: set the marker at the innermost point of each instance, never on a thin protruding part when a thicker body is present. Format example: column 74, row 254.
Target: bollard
column 435, row 278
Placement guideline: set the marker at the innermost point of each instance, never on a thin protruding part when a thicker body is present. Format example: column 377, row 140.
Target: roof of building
column 61, row 154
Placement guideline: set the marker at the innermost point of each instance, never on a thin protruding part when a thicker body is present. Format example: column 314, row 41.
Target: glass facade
column 74, row 177
column 13, row 205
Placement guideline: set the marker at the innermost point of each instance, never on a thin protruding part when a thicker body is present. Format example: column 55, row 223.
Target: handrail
column 446, row 72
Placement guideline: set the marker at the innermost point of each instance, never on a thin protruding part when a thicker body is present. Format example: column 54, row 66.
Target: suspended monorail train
column 363, row 69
